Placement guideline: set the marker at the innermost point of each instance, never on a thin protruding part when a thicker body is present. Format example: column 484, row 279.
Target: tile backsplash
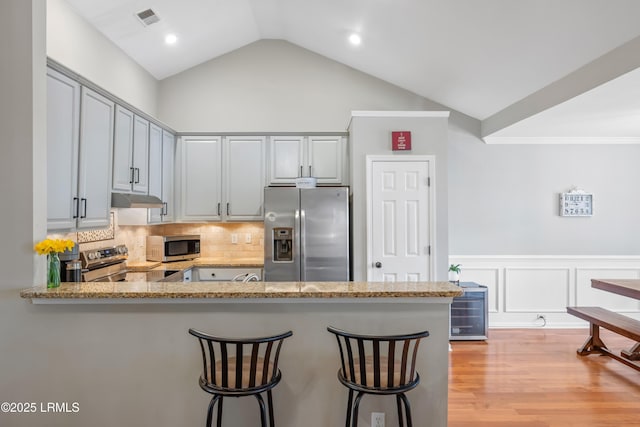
column 216, row 238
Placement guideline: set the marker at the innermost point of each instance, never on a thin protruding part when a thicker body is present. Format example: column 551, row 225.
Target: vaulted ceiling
column 550, row 69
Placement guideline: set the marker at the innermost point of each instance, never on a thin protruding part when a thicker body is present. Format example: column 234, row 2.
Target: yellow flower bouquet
column 52, row 248
column 49, row 246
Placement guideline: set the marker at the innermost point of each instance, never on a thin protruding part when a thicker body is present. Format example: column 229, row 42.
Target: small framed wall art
column 401, row 140
column 576, row 203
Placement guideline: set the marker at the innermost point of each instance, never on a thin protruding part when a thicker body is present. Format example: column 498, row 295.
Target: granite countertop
column 230, row 290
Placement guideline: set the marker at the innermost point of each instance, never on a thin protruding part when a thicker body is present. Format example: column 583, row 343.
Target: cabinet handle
column 310, row 170
column 76, row 207
column 300, row 171
column 227, row 208
column 218, row 209
column 131, row 172
column 84, row 207
column 137, row 180
column 164, row 209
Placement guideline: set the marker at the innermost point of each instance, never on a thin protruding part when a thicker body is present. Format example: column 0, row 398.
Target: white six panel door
column 400, row 221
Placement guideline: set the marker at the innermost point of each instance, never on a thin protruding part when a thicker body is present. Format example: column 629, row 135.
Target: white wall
column 80, row 47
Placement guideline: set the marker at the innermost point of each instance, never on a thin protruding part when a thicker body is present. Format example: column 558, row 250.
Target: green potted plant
column 454, row 273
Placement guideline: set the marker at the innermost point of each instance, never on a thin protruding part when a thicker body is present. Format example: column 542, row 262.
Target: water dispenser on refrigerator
column 283, row 244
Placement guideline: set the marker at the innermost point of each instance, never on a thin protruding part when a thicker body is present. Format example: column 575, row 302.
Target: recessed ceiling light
column 171, row 39
column 355, row 39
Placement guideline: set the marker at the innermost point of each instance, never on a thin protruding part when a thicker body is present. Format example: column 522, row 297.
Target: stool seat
column 240, row 367
column 380, row 365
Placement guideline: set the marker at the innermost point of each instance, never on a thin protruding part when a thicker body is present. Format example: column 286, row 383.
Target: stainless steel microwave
column 173, row 248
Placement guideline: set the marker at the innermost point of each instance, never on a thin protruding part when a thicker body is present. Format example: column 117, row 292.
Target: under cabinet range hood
column 126, row 200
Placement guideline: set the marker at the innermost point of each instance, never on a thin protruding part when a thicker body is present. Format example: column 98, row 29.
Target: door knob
column 378, row 264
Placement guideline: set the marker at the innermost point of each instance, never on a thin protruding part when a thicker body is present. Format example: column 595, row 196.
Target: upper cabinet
column 94, row 147
column 325, row 159
column 63, row 130
column 155, row 170
column 168, row 176
column 244, row 178
column 201, row 178
column 79, row 141
column 130, row 152
column 292, row 157
column 96, row 141
column 162, row 146
column 222, row 178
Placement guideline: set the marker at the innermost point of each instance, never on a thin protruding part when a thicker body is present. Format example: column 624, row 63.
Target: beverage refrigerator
column 306, row 234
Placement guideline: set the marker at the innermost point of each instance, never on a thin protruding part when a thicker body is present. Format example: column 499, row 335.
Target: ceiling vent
column 147, row 17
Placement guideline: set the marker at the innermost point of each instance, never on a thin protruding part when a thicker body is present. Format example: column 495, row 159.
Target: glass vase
column 53, row 270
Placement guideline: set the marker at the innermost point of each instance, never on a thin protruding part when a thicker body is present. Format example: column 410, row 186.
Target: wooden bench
column 618, row 323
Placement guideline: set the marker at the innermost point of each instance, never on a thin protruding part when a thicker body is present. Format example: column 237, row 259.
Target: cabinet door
column 168, row 167
column 63, row 117
column 244, row 178
column 286, row 159
column 140, row 155
column 324, row 158
column 123, row 173
column 201, row 178
column 96, row 142
column 155, row 170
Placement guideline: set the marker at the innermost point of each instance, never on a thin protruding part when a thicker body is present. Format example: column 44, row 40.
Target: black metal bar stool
column 379, row 365
column 240, row 367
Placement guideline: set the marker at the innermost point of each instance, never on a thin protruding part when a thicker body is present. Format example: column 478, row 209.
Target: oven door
column 110, row 273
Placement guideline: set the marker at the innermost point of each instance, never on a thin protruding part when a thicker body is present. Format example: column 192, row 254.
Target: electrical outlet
column 234, row 238
column 543, row 318
column 247, row 238
column 377, row 419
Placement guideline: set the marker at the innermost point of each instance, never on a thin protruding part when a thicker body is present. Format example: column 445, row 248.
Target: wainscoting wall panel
column 534, row 291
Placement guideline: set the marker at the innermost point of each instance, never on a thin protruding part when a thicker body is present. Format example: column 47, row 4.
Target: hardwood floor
column 534, row 378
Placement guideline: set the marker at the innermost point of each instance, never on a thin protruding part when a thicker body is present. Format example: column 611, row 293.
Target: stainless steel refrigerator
column 306, row 234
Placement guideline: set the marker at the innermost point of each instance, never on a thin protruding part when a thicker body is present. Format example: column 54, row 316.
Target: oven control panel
column 103, row 256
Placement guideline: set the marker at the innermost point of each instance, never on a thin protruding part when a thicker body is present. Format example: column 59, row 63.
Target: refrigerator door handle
column 303, row 244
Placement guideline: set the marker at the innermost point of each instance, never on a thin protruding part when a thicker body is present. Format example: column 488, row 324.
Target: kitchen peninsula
column 310, row 394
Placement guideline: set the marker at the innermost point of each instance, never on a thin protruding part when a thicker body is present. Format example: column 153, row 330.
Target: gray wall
column 275, row 86
column 371, row 135
column 504, row 199
column 83, row 49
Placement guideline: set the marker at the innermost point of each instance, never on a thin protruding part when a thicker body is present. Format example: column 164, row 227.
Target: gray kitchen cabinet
column 244, row 178
column 227, row 274
column 286, row 154
column 94, row 176
column 168, row 168
column 161, row 176
column 293, row 157
column 325, row 158
column 63, row 139
column 130, row 152
column 222, row 178
column 201, row 178
column 155, row 171
column 79, row 141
